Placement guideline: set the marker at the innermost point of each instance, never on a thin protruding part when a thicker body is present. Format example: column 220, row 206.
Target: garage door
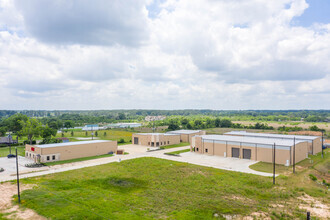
column 235, row 152
column 247, row 154
column 136, row 140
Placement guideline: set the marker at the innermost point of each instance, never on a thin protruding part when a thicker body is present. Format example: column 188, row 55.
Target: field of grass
column 78, row 159
column 178, row 152
column 115, row 135
column 182, row 144
column 149, row 188
column 4, row 151
column 276, row 124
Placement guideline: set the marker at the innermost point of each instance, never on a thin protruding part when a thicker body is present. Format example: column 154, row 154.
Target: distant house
column 7, row 140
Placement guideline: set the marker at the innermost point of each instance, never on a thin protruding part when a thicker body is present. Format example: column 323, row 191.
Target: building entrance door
column 136, row 140
column 235, row 152
column 247, row 154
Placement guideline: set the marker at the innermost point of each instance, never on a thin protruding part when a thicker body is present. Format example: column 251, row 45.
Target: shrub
column 121, row 140
column 312, row 177
column 28, row 142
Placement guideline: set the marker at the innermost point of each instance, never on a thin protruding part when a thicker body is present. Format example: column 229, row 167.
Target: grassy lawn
column 178, row 152
column 114, row 135
column 182, row 144
column 77, row 159
column 268, row 168
column 149, row 188
column 4, row 151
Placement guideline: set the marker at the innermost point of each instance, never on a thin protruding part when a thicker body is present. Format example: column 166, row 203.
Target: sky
column 164, row 54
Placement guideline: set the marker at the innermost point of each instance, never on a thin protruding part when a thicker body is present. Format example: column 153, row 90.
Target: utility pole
column 294, row 154
column 274, row 150
column 18, row 192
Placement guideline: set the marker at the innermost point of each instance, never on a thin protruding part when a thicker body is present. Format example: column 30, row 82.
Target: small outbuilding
column 259, row 149
column 70, row 150
column 155, row 139
column 314, row 142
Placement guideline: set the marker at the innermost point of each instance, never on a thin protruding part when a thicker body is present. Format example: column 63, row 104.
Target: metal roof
column 71, row 143
column 155, row 134
column 184, row 132
column 268, row 135
column 251, row 140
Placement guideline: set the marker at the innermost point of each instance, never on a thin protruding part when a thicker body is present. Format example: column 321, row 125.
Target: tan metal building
column 314, row 142
column 186, row 135
column 155, row 139
column 70, row 150
column 259, row 149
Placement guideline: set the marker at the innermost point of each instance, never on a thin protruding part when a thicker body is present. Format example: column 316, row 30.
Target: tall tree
column 31, row 128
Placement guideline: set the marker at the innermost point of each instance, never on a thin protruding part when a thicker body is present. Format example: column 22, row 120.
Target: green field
column 4, row 151
column 178, row 152
column 148, row 188
column 182, row 144
column 114, row 135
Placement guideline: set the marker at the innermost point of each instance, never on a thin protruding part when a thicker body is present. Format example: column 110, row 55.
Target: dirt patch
column 257, row 215
column 8, row 190
column 315, row 207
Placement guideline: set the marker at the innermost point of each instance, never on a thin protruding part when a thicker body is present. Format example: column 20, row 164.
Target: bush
column 312, row 177
column 121, row 140
column 28, row 142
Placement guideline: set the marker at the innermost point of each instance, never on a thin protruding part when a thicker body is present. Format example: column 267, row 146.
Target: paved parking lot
column 225, row 163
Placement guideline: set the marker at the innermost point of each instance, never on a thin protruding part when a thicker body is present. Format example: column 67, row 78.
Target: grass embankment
column 315, row 165
column 182, row 144
column 4, row 151
column 149, row 188
column 178, row 152
column 77, row 159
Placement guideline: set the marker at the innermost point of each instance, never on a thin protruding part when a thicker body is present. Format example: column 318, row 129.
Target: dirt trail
column 7, row 191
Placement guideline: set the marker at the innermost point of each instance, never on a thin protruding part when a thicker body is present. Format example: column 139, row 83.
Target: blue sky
column 317, row 12
column 164, row 54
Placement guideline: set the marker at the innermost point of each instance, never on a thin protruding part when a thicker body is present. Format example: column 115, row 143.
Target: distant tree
column 217, row 122
column 173, row 125
column 47, row 132
column 314, row 128
column 96, row 134
column 72, row 133
column 86, row 133
column 121, row 116
column 68, row 124
column 31, row 128
column 62, row 134
column 225, row 123
column 105, row 134
column 2, row 131
column 14, row 122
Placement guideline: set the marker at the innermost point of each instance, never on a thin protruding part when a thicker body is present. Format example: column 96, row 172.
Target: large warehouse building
column 314, row 142
column 70, row 150
column 155, row 139
column 186, row 135
column 259, row 149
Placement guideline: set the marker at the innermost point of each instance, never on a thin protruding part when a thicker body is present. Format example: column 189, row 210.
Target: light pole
column 18, row 191
column 294, row 154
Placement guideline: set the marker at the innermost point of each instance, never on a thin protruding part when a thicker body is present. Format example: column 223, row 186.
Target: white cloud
column 188, row 54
